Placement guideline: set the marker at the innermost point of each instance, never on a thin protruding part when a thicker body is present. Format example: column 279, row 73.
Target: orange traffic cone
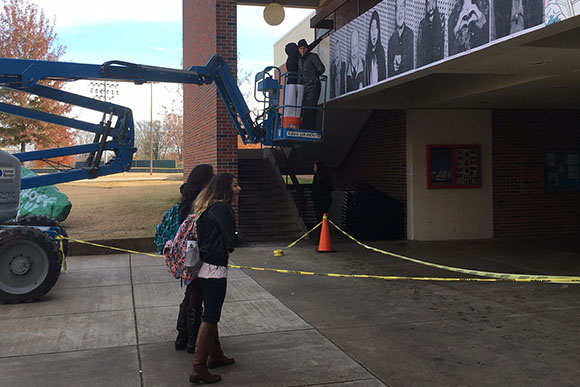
column 324, row 244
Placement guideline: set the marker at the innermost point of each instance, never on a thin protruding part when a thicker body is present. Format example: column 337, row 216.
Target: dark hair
column 377, row 52
column 320, row 167
column 197, row 180
column 219, row 189
column 374, row 16
column 302, row 43
column 322, row 173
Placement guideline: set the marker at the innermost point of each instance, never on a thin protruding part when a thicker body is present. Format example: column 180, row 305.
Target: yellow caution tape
column 494, row 277
column 111, row 247
column 383, row 277
column 61, row 239
column 305, row 235
column 479, row 273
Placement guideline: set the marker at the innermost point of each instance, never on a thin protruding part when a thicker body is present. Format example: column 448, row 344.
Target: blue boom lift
column 31, row 251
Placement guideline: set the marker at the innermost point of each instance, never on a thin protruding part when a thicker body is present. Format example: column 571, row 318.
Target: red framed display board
column 454, row 166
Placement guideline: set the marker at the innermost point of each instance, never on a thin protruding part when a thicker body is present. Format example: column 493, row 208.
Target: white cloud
column 72, row 13
column 75, row 14
column 135, row 97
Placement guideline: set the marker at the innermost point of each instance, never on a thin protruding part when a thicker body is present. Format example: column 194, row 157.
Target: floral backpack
column 181, row 253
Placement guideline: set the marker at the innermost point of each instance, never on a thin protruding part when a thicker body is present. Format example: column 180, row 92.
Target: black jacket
column 216, row 233
column 322, row 188
column 293, row 59
column 292, row 62
column 310, row 68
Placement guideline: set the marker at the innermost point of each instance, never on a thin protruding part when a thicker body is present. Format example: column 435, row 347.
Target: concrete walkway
column 110, row 321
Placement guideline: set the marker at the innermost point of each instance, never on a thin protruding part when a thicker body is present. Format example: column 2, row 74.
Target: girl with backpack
column 190, row 309
column 216, row 237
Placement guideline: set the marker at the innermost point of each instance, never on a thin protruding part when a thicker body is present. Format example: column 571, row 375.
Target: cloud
column 72, row 13
column 135, row 97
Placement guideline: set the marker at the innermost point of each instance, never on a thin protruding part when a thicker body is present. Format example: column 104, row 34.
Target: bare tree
column 173, row 124
column 143, row 140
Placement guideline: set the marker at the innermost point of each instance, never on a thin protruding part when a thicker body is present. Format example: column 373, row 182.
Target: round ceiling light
column 274, row 14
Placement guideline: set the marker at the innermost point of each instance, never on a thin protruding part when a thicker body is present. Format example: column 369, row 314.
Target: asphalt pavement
column 110, row 320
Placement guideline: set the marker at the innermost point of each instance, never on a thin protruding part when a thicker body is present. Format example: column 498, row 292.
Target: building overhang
column 538, row 69
column 285, row 3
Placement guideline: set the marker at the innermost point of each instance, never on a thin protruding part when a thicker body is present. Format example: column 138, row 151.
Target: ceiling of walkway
column 285, row 3
column 536, row 70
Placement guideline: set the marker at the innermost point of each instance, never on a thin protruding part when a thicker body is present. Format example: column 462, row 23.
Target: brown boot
column 216, row 355
column 205, row 339
column 193, row 323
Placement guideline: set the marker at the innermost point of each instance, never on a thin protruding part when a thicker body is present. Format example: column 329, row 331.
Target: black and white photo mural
column 375, row 61
column 431, row 35
column 468, row 25
column 397, row 36
column 511, row 16
column 401, row 51
column 355, row 63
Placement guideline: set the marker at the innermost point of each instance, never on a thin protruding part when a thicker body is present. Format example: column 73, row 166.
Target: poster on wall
column 561, row 170
column 453, row 166
column 398, row 36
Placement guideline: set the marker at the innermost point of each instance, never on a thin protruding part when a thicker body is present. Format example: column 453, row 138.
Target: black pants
column 309, row 104
column 320, row 208
column 214, row 294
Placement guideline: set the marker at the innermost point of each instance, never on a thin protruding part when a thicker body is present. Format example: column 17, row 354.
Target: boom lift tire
column 30, row 263
column 46, row 221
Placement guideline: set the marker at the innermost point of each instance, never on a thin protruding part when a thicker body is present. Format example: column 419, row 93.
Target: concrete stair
column 266, row 209
column 305, row 208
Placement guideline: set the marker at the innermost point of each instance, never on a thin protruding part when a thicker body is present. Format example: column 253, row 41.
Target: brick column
column 209, row 136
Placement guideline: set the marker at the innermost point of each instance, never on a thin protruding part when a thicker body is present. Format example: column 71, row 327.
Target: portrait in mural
column 375, row 60
column 401, row 48
column 558, row 10
column 468, row 25
column 430, row 35
column 511, row 16
column 355, row 68
column 337, row 80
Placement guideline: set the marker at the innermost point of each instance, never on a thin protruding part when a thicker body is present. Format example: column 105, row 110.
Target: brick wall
column 209, row 26
column 378, row 156
column 521, row 205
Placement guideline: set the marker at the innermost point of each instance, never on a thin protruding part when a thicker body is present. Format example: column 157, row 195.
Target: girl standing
column 216, row 238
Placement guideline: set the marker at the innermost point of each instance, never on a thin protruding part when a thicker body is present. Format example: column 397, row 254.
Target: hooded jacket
column 292, row 62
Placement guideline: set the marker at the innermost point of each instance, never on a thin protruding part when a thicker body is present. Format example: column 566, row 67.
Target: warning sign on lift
column 292, row 133
column 7, row 173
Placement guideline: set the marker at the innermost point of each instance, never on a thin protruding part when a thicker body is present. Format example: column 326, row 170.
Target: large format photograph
column 511, row 16
column 397, row 36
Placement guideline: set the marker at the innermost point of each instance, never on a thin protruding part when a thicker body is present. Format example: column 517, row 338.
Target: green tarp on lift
column 48, row 201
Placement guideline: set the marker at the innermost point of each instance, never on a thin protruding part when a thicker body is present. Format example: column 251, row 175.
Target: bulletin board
column 454, row 166
column 561, row 170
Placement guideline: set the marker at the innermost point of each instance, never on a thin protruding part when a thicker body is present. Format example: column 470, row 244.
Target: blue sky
column 141, row 31
column 141, row 34
column 130, row 41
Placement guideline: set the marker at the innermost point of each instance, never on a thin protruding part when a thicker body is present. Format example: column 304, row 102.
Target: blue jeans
column 214, row 294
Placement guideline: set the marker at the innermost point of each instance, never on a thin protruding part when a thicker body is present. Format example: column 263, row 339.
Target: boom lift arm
column 115, row 131
column 29, row 255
